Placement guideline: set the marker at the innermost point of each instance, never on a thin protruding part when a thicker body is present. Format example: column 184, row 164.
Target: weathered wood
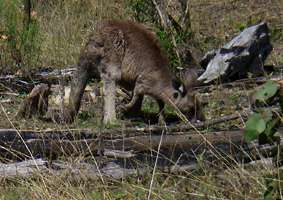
column 14, row 83
column 241, row 82
column 7, row 135
column 178, row 140
column 118, row 154
column 78, row 171
column 22, row 83
column 89, row 142
column 36, row 102
column 41, row 146
column 169, row 129
column 23, row 169
column 136, row 143
column 194, row 143
column 46, row 147
column 53, row 77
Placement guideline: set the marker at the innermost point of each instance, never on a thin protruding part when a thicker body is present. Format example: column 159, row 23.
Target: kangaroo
column 128, row 54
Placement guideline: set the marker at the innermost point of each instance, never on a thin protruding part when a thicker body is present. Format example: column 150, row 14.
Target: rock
column 244, row 54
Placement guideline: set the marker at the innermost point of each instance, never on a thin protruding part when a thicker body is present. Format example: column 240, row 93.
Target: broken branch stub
column 36, row 102
column 244, row 54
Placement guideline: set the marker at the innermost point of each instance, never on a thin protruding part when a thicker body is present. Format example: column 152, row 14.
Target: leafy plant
column 263, row 124
column 267, row 91
column 143, row 11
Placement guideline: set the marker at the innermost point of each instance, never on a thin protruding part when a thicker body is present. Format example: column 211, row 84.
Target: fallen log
column 9, row 135
column 86, row 142
column 79, row 171
column 22, row 83
column 14, row 83
column 98, row 171
column 170, row 129
column 39, row 145
column 178, row 140
column 181, row 140
column 55, row 75
column 218, row 145
column 23, row 169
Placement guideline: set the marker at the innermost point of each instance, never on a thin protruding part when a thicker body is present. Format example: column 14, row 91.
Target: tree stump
column 36, row 103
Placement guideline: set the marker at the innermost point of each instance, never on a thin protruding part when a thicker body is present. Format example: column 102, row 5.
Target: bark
column 36, row 103
column 25, row 83
column 66, row 143
column 23, row 169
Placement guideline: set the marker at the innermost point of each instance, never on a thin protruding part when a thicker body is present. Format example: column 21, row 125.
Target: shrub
column 21, row 41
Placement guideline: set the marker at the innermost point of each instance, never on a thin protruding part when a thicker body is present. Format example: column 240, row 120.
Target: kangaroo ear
column 181, row 89
column 176, row 84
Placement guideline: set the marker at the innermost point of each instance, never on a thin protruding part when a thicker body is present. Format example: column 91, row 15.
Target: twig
column 241, row 82
column 186, row 20
column 166, row 23
column 170, row 129
column 155, row 165
column 118, row 153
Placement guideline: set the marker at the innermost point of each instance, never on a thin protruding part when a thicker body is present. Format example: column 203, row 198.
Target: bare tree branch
column 166, row 23
column 186, row 19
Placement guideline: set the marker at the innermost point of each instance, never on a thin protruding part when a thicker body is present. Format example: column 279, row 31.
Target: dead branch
column 181, row 140
column 56, row 75
column 241, row 82
column 161, row 9
column 186, row 19
column 25, row 83
column 155, row 129
column 118, row 154
column 41, row 146
column 165, row 22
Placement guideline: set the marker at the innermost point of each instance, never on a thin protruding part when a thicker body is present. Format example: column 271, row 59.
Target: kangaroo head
column 186, row 100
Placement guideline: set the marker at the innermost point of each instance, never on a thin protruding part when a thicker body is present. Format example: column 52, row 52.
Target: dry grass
column 236, row 182
column 216, row 22
column 64, row 27
column 67, row 25
column 216, row 180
